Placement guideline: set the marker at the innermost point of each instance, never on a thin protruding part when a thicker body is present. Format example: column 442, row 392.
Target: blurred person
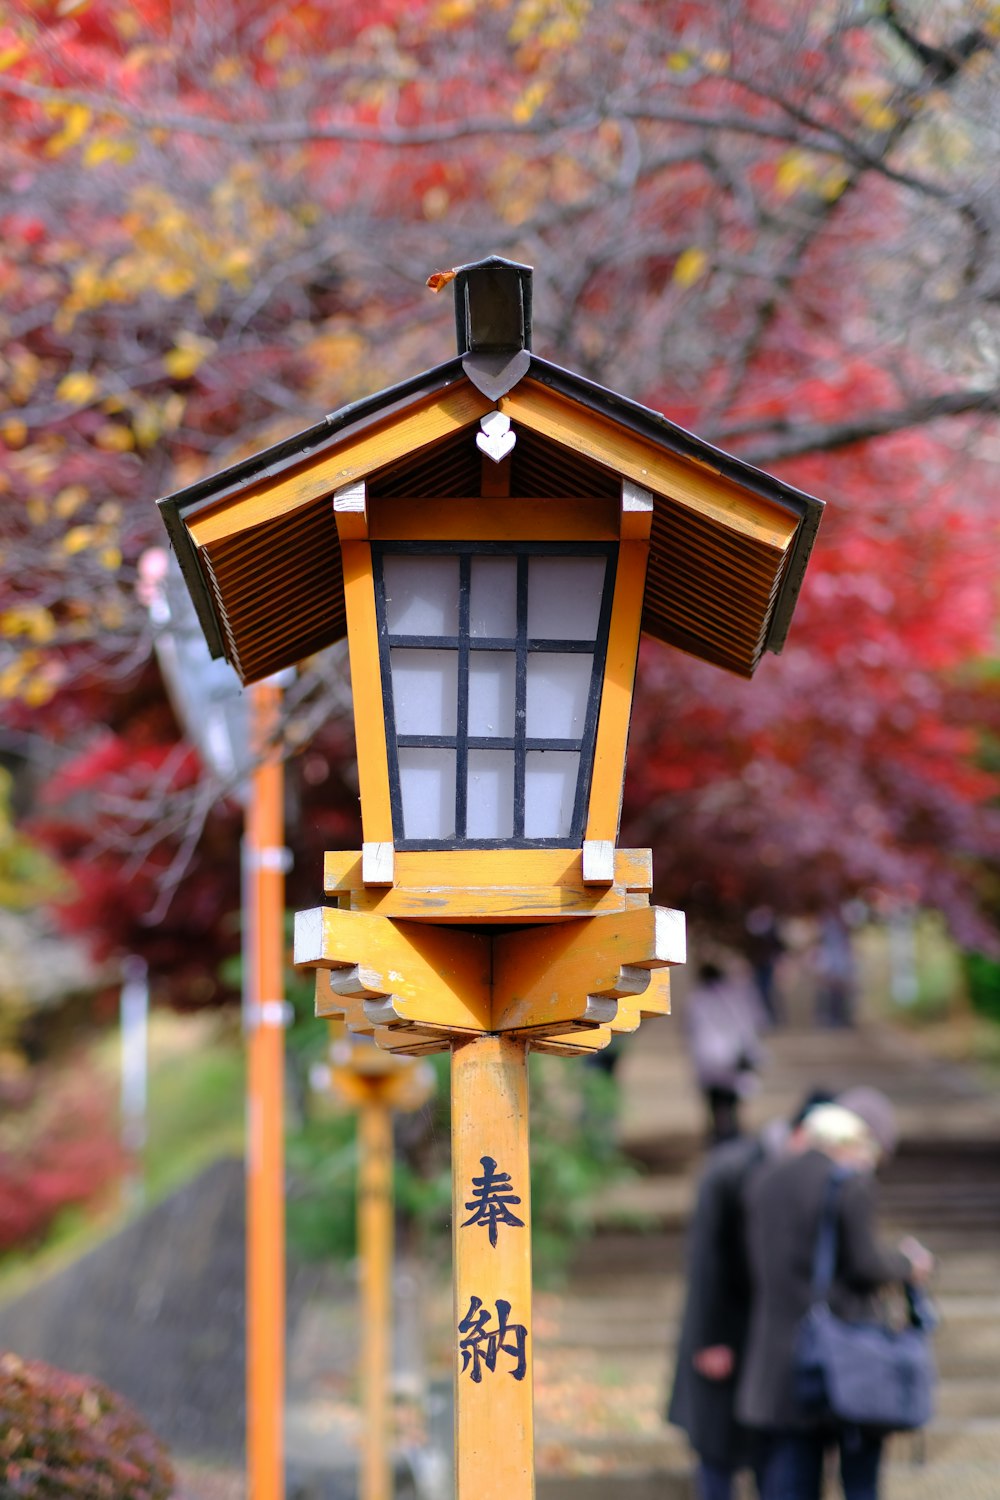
column 716, row 1310
column 723, row 1021
column 836, row 973
column 784, row 1203
column 763, row 946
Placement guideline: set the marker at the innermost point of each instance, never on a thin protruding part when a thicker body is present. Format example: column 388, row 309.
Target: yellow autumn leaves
column 177, row 250
column 102, row 140
column 690, row 266
column 78, row 388
column 188, row 354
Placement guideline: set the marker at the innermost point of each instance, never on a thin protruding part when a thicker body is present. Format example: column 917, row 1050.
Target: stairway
column 604, row 1343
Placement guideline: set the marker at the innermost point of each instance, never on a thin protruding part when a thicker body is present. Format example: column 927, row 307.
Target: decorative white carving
column 496, row 439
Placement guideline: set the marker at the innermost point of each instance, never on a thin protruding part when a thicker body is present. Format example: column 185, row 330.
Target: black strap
column 825, row 1253
column 920, row 1309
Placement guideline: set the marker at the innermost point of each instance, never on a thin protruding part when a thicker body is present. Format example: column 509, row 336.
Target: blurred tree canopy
column 775, row 220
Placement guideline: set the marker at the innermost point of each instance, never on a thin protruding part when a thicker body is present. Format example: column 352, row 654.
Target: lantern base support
column 563, row 986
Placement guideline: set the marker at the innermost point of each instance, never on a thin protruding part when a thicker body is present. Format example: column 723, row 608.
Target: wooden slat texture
column 272, row 558
column 697, row 486
column 709, row 593
column 400, row 434
column 539, row 468
column 280, row 592
column 451, row 467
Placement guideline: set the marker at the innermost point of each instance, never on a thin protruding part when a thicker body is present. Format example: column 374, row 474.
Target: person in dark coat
column 783, row 1205
column 716, row 1311
column 713, row 1329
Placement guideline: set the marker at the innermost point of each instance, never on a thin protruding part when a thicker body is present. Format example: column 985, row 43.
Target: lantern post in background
column 237, row 735
column 377, row 1086
column 265, row 1016
column 134, row 1014
column 492, row 536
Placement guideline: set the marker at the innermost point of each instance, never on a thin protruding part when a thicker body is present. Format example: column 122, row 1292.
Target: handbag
column 864, row 1374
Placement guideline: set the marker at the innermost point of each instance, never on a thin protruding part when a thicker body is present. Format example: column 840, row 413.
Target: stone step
column 933, row 1481
column 963, row 1398
column 945, row 1447
column 641, row 1484
column 934, row 1466
column 966, row 1440
column 960, row 1481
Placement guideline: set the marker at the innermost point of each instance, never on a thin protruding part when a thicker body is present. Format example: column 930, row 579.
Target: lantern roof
column 258, row 542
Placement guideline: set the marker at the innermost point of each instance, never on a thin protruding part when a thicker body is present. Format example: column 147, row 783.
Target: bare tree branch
column 791, row 437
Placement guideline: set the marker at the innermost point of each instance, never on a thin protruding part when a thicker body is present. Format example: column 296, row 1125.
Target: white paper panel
column 493, row 597
column 558, row 686
column 564, row 597
column 549, row 793
column 491, row 693
column 490, row 806
column 424, row 690
column 427, row 786
column 421, row 595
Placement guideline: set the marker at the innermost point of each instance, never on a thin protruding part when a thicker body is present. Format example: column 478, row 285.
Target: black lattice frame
column 463, row 644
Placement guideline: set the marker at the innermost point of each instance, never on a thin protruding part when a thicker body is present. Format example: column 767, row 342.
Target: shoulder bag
column 861, row 1374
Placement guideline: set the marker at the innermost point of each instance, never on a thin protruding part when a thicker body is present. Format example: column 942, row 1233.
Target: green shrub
column 321, row 1204
column 67, row 1437
column 983, row 976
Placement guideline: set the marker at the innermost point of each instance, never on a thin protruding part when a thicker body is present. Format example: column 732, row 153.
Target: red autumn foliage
column 763, row 218
column 65, row 1436
column 59, row 1150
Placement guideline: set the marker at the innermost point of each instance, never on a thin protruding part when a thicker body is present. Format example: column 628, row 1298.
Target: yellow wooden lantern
column 492, row 537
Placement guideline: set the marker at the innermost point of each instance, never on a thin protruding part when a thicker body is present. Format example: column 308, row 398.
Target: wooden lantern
column 492, row 536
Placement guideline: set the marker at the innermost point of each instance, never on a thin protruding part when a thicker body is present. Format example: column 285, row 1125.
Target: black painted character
column 481, row 1345
column 491, row 1199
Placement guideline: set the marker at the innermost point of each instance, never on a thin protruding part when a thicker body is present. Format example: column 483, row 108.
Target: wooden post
column 375, row 1233
column 265, row 1248
column 491, row 1208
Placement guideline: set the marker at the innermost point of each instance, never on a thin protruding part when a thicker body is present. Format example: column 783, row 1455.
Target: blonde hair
column 833, row 1129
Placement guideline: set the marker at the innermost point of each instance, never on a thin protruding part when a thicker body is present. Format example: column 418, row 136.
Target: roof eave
column 177, row 508
column 653, row 425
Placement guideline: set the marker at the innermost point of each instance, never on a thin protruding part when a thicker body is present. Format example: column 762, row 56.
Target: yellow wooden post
column 491, row 1207
column 265, row 1245
column 375, row 1254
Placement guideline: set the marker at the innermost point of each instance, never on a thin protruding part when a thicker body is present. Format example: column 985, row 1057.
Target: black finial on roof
column 493, row 307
